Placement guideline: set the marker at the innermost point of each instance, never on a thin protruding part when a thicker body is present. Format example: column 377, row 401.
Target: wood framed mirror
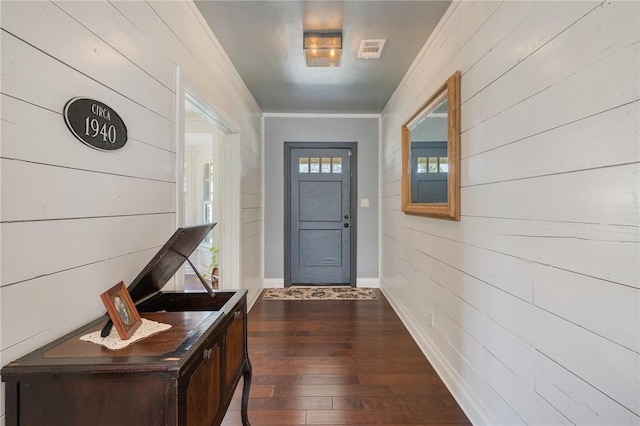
column 431, row 155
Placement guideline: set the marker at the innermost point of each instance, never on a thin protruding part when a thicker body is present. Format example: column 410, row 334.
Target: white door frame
column 229, row 229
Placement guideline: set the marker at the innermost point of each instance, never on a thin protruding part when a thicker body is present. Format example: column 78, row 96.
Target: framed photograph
column 121, row 310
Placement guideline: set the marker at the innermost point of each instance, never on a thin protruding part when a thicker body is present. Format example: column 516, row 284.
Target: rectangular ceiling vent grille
column 371, row 49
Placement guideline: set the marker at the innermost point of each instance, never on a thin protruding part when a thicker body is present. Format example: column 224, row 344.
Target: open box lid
column 168, row 260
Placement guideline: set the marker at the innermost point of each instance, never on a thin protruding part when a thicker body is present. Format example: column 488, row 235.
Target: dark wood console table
column 182, row 376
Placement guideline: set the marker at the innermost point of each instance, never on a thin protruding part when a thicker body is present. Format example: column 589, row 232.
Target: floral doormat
column 319, row 293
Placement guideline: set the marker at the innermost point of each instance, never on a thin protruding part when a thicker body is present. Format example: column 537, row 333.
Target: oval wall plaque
column 95, row 124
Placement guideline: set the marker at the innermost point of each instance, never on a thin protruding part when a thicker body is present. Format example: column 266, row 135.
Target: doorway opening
column 206, row 179
column 202, row 186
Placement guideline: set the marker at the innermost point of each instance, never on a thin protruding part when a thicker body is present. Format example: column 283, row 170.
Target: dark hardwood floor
column 337, row 363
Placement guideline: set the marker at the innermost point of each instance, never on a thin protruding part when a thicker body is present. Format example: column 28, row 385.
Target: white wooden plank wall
column 252, row 213
column 535, row 292
column 75, row 221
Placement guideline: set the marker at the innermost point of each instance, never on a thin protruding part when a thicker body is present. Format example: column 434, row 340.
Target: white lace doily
column 113, row 341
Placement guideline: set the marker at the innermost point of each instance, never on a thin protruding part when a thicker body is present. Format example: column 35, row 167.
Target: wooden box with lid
column 182, row 376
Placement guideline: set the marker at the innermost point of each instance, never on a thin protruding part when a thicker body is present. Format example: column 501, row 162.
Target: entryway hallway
column 339, row 362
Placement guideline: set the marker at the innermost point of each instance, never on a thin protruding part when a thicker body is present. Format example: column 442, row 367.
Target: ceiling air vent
column 371, row 49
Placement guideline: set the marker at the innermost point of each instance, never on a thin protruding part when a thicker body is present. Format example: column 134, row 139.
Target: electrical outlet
column 431, row 319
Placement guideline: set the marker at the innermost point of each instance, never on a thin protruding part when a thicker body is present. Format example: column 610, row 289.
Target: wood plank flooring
column 339, row 363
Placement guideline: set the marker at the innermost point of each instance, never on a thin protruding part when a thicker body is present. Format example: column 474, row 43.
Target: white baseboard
column 360, row 282
column 467, row 399
column 252, row 296
column 273, row 282
column 368, row 282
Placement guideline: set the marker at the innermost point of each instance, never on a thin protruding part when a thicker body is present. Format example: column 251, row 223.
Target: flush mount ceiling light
column 323, row 49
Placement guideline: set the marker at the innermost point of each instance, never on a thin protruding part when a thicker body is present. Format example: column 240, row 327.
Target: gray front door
column 430, row 172
column 320, row 220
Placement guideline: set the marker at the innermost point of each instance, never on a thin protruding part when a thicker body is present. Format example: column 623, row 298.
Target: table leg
column 246, row 373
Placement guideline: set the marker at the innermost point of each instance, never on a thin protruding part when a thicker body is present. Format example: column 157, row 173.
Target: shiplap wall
column 535, row 291
column 74, row 220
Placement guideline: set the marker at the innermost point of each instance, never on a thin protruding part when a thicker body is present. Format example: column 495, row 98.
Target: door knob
column 346, row 216
column 346, row 225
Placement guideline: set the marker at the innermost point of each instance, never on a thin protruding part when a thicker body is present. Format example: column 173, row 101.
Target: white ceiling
column 264, row 41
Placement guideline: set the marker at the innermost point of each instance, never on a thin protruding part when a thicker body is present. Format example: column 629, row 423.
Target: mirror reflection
column 430, row 155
